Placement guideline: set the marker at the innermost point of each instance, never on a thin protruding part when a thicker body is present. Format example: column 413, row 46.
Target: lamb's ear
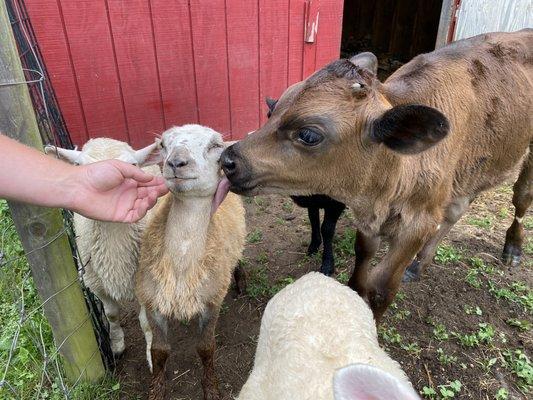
column 71, row 156
column 364, row 382
column 366, row 60
column 410, row 128
column 149, row 155
column 230, row 143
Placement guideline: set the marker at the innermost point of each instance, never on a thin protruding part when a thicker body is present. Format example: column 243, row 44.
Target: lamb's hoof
column 512, row 255
column 118, row 348
column 412, row 273
column 313, row 248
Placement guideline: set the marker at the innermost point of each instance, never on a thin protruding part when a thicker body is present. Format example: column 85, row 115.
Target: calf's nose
column 228, row 162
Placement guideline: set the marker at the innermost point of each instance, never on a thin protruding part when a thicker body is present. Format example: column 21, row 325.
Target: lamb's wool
column 309, row 329
column 190, row 265
column 109, row 251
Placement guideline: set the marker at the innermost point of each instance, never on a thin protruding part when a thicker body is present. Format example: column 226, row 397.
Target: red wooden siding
column 130, row 68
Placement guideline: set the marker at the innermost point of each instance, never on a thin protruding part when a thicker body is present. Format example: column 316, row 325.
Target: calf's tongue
column 220, row 195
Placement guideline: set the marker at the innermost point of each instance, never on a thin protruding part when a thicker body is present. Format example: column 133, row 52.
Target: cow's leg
column 385, row 278
column 332, row 214
column 523, row 194
column 452, row 214
column 112, row 312
column 314, row 219
column 206, row 350
column 365, row 248
column 155, row 329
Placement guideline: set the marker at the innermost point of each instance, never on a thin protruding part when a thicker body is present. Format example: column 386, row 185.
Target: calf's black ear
column 410, row 128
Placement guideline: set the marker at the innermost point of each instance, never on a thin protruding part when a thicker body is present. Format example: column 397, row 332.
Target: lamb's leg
column 316, row 240
column 523, row 194
column 453, row 213
column 155, row 328
column 206, row 350
column 331, row 216
column 365, row 248
column 239, row 274
column 112, row 312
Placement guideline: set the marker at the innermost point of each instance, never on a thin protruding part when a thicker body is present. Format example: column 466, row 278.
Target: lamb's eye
column 213, row 146
column 309, row 137
column 162, row 144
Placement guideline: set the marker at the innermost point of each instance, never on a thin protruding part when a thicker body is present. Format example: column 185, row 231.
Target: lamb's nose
column 177, row 163
column 228, row 164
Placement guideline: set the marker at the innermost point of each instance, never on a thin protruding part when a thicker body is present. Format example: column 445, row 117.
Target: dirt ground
column 463, row 321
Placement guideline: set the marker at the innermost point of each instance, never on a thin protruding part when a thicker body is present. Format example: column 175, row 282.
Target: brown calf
column 408, row 155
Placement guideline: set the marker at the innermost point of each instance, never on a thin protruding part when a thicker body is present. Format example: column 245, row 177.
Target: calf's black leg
column 332, row 214
column 316, row 240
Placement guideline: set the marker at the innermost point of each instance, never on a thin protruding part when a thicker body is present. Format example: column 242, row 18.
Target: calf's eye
column 309, row 137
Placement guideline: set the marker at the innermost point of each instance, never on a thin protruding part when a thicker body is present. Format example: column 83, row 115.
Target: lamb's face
column 100, row 149
column 190, row 155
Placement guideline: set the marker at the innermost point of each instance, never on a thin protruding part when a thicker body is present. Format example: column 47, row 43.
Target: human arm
column 108, row 190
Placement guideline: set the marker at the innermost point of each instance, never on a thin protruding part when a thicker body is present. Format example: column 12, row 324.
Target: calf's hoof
column 512, row 255
column 313, row 248
column 412, row 273
column 327, row 269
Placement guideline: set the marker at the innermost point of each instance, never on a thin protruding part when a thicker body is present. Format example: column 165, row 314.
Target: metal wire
column 53, row 130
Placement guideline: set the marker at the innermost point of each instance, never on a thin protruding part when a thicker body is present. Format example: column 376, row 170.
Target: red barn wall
column 130, row 68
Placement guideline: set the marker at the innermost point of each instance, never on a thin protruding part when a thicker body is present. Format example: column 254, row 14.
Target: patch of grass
column 528, row 247
column 262, row 258
column 440, row 332
column 280, row 284
column 412, row 348
column 343, row 277
column 344, row 244
column 471, row 310
column 288, row 206
column 521, row 324
column 257, row 285
column 528, row 222
column 255, row 237
column 390, row 335
column 428, row 392
column 445, row 359
column 503, row 213
column 519, row 365
column 34, row 335
column 485, row 335
column 450, row 390
column 480, row 222
column 447, row 254
column 502, row 394
column 517, row 293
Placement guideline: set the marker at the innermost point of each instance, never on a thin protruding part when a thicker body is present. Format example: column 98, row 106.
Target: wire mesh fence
column 30, row 365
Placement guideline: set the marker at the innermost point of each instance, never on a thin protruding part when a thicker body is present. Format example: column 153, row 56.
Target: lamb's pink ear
column 149, row 155
column 71, row 156
column 365, row 382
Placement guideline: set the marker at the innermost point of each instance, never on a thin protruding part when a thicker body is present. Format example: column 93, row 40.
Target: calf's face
column 328, row 129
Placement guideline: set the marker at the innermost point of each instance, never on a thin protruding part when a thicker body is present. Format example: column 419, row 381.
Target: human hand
column 114, row 191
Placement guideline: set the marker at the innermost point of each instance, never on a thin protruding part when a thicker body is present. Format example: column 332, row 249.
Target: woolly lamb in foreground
column 310, row 329
column 109, row 251
column 189, row 251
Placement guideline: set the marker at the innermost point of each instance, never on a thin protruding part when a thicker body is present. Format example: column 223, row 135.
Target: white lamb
column 109, row 251
column 309, row 330
column 189, row 250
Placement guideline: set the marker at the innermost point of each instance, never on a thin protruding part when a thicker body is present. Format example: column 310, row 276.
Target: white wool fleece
column 309, row 330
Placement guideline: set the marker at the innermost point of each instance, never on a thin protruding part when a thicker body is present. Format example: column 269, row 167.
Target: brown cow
column 408, row 155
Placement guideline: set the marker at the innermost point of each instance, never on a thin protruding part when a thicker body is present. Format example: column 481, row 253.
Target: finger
column 132, row 172
column 155, row 181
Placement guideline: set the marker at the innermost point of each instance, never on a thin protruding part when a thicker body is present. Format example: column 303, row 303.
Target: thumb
column 131, row 171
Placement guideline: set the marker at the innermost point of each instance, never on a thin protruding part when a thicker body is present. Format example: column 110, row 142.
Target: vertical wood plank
column 47, row 24
column 329, row 32
column 94, row 61
column 273, row 37
column 296, row 42
column 243, row 52
column 208, row 21
column 173, row 41
column 312, row 8
column 131, row 25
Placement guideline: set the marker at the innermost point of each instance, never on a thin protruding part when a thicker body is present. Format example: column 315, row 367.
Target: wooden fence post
column 42, row 231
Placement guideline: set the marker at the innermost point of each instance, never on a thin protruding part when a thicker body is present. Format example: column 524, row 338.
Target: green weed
column 255, row 237
column 447, row 254
column 483, row 222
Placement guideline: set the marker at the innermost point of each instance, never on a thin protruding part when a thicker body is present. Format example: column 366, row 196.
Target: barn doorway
column 394, row 30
